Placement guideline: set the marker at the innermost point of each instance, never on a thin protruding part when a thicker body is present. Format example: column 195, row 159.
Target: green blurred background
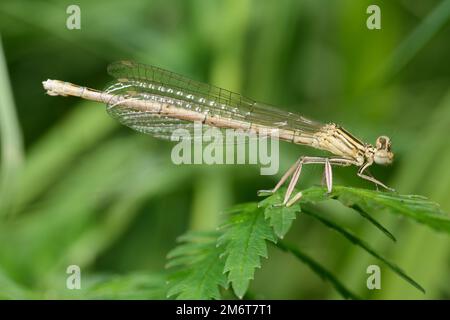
column 77, row 188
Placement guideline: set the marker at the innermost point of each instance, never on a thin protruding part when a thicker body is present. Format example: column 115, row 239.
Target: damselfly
column 157, row 102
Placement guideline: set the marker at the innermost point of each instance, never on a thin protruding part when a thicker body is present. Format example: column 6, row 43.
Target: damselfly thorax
column 157, row 102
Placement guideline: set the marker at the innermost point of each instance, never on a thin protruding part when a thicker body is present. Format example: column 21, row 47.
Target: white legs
column 370, row 178
column 296, row 170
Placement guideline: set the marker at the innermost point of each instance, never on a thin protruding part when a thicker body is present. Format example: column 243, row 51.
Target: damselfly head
column 383, row 154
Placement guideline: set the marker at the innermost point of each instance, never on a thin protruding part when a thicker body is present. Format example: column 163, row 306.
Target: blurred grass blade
column 50, row 158
column 318, row 269
column 97, row 238
column 11, row 139
column 357, row 241
column 94, row 204
column 429, row 146
column 406, row 51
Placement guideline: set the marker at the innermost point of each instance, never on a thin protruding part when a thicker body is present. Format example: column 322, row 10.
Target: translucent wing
column 164, row 127
column 138, row 81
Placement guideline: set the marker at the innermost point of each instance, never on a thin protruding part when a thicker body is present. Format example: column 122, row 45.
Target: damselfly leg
column 295, row 172
column 367, row 177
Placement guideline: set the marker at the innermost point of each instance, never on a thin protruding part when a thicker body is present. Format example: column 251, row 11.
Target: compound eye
column 381, row 143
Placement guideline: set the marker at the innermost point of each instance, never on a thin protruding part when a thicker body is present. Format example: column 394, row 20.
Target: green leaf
column 355, row 240
column 11, row 145
column 199, row 267
column 280, row 217
column 365, row 202
column 318, row 269
column 417, row 39
column 371, row 202
column 414, row 207
column 244, row 239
